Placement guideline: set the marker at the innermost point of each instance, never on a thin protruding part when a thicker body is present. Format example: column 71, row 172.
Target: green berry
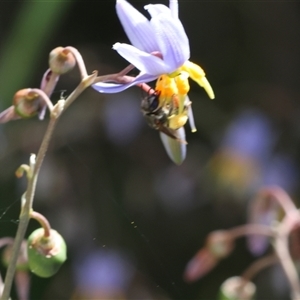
column 46, row 254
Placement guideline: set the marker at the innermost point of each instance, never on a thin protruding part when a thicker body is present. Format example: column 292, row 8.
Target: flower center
column 173, row 89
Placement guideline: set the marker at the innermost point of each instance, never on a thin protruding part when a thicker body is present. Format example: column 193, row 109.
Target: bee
column 161, row 115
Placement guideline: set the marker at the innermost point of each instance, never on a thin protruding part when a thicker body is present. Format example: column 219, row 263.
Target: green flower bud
column 61, row 60
column 46, row 254
column 26, row 103
column 22, row 262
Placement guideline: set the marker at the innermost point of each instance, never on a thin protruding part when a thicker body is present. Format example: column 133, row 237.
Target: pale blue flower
column 162, row 35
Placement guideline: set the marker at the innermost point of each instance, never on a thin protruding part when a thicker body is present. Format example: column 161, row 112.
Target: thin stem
column 288, row 266
column 119, row 77
column 25, row 212
column 22, row 284
column 280, row 196
column 43, row 222
column 251, row 229
column 79, row 60
column 6, row 241
column 32, row 180
column 44, row 96
column 126, row 70
column 49, row 81
column 47, row 85
column 29, row 194
column 281, row 246
column 85, row 83
column 259, row 265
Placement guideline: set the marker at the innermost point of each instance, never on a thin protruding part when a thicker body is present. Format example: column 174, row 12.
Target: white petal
column 110, row 87
column 136, row 26
column 172, row 39
column 173, row 4
column 176, row 150
column 143, row 61
column 156, row 9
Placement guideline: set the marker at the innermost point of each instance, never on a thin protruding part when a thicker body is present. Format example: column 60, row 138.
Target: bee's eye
column 153, row 102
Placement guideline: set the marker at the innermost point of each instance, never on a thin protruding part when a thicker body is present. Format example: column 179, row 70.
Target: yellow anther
column 182, row 83
column 198, row 75
column 167, row 87
column 194, row 70
column 206, row 85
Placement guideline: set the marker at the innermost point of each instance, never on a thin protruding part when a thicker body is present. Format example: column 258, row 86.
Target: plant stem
column 259, row 265
column 32, row 180
column 43, row 222
column 249, row 229
column 26, row 210
column 280, row 196
column 281, row 246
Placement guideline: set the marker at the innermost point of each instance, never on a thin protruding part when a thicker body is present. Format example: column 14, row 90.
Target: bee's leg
column 171, row 133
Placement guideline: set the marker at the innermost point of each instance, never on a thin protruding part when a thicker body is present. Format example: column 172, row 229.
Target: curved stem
column 251, row 229
column 6, row 241
column 45, row 98
column 119, row 77
column 43, row 222
column 79, row 60
column 49, row 81
column 281, row 246
column 280, row 196
column 259, row 265
column 85, row 83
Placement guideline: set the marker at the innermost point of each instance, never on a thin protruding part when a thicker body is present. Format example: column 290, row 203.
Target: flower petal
column 110, row 87
column 172, row 40
column 173, row 4
column 136, row 26
column 156, row 9
column 143, row 61
column 176, row 150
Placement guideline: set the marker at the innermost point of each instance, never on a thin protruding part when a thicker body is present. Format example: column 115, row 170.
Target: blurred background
column 131, row 218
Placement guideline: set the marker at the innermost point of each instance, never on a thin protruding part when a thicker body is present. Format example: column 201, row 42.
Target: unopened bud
column 46, row 254
column 26, row 103
column 22, row 262
column 61, row 60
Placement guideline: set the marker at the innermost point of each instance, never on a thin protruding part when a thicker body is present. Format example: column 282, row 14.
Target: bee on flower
column 160, row 51
column 163, row 115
